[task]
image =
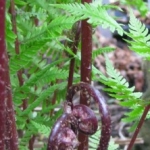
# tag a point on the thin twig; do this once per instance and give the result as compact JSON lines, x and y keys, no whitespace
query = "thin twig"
{"x":72,"y":63}
{"x":147,"y":108}
{"x":31,"y":143}
{"x":53,"y":101}
{"x":74,"y":49}
{"x":14,"y":27}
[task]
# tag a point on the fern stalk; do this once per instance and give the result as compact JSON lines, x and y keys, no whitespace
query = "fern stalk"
{"x":8,"y":133}
{"x":86,"y":66}
{"x":2,"y":83}
{"x":31,"y":143}
{"x":53,"y":101}
{"x":17,"y":50}
{"x":86,"y":52}
{"x":146,"y":110}
{"x":74,"y":49}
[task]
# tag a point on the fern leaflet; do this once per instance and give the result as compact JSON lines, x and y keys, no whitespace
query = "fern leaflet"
{"x":96,"y":14}
{"x":101,"y":50}
{"x":118,"y":88}
{"x":139,"y":34}
{"x":41,"y":128}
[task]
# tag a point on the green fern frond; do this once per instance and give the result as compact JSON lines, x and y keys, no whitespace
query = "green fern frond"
{"x":52,"y":75}
{"x":47,"y":109}
{"x":41,"y":128}
{"x":94,"y":141}
{"x":101,"y":50}
{"x":43,"y":96}
{"x":140,"y":38}
{"x":40,"y":14}
{"x":10,"y":36}
{"x":20,"y":3}
{"x":140,"y":5}
{"x":25,"y":139}
{"x":96,"y":15}
{"x":52,"y":30}
{"x":61,"y":23}
{"x":21,"y":121}
{"x":118,"y":88}
{"x":39,"y":60}
{"x":119,"y":85}
{"x":46,"y":75}
{"x":24,"y":58}
{"x":37,"y":40}
{"x":137,"y":110}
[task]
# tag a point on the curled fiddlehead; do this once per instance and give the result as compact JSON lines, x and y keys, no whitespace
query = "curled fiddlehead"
{"x":62,"y":137}
{"x":86,"y":119}
{"x":90,"y":91}
{"x":80,"y":118}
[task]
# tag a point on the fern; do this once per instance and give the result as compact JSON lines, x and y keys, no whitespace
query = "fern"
{"x":101,"y":50}
{"x":118,"y":88}
{"x":51,"y":30}
{"x":41,"y":128}
{"x":140,"y":5}
{"x":34,"y":42}
{"x":43,"y":60}
{"x":96,"y":14}
{"x":94,"y":142}
{"x":46,"y":75}
{"x":10,"y":36}
{"x":36,"y":39}
{"x":25,"y":139}
{"x":42,"y":97}
{"x":139,"y":34}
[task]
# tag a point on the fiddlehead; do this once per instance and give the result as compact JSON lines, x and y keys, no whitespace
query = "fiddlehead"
{"x":62,"y":137}
{"x":80,"y":118}
{"x":90,"y":91}
{"x":87,"y":121}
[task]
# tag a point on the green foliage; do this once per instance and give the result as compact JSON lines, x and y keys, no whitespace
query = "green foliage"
{"x":41,"y":63}
{"x":101,"y":51}
{"x":10,"y":36}
{"x":95,"y":13}
{"x":140,"y":38}
{"x":44,"y":59}
{"x":41,"y":98}
{"x":140,"y":5}
{"x":41,"y":128}
{"x":93,"y":142}
{"x":118,"y":87}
